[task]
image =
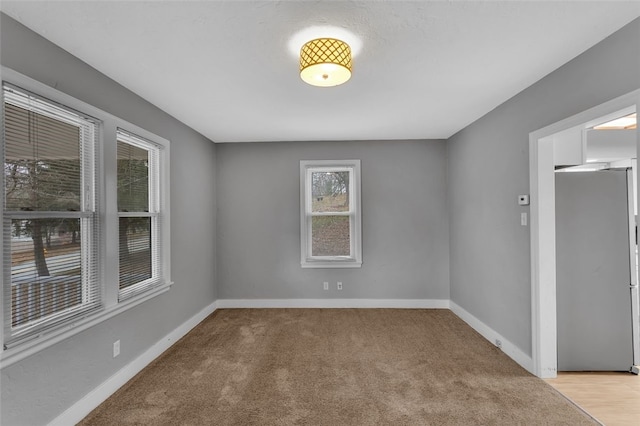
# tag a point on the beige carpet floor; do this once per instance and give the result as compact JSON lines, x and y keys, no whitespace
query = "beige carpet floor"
{"x":335,"y":367}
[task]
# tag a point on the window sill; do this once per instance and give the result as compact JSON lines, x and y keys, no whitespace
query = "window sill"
{"x":331,"y":264}
{"x":28,"y":348}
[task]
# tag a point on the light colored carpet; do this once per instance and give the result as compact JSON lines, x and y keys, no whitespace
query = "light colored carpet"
{"x":335,"y":367}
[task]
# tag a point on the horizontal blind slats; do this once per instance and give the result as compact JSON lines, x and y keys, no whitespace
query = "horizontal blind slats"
{"x":138,"y":194}
{"x":42,"y":162}
{"x":49,"y":236}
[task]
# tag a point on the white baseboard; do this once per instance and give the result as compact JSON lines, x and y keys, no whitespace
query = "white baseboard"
{"x":514,"y":352}
{"x":82,"y":408}
{"x":334,"y":303}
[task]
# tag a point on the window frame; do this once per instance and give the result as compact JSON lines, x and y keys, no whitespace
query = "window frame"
{"x":154,"y":210}
{"x":307,"y":259}
{"x":88,"y":216}
{"x":107,"y":212}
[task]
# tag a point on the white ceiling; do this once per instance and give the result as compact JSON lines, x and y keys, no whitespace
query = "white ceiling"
{"x":425,"y":69}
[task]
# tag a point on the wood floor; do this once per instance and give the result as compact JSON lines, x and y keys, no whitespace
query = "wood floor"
{"x":612,"y":398}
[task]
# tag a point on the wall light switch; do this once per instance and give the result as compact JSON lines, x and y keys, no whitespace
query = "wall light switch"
{"x":523,"y":219}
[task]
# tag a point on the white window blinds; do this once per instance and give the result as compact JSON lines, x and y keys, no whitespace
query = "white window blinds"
{"x":139,"y":214}
{"x":50,"y":220}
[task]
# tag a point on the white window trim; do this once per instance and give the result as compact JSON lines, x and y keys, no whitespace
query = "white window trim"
{"x":355,"y":214}
{"x":108,"y":233}
{"x":88,"y":215}
{"x":156,"y":206}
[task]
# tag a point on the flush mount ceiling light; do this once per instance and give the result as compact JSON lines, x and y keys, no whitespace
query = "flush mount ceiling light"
{"x":325,"y":62}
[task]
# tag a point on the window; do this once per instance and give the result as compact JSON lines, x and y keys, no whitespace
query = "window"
{"x":50,"y":219}
{"x":138,"y":214}
{"x":330,"y":214}
{"x":84,"y":214}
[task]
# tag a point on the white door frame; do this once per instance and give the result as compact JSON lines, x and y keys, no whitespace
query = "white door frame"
{"x":543,"y":229}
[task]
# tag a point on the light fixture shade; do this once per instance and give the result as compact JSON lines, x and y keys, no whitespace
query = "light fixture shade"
{"x":325,"y":62}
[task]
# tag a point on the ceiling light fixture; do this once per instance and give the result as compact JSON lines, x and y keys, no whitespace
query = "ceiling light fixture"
{"x":325,"y":62}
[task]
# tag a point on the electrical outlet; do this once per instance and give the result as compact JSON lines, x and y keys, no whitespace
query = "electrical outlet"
{"x":499,"y":343}
{"x":339,"y":285}
{"x":326,"y":285}
{"x":116,"y":348}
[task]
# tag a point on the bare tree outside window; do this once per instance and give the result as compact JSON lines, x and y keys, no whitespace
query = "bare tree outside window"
{"x":330,"y":234}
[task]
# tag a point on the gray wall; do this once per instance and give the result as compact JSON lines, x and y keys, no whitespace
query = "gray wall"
{"x":404,"y":221}
{"x":37,"y":389}
{"x":488,"y":166}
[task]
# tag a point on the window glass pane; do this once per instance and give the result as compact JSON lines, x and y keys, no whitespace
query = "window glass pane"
{"x":330,"y":236}
{"x":330,"y":191}
{"x":45,"y":268}
{"x":133,"y":178}
{"x":135,"y":250}
{"x":42,"y":162}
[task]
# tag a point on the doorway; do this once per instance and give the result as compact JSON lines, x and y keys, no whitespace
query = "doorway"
{"x":545,"y":148}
